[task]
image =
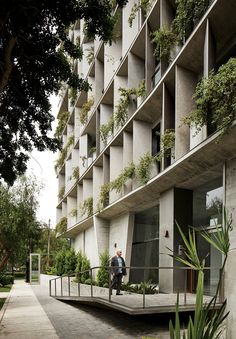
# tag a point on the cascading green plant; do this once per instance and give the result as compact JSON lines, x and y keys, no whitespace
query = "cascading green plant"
{"x":145,"y":5}
{"x":167,"y":144}
{"x":215,"y":100}
{"x":143,"y":169}
{"x":62,"y":120}
{"x":87,"y":207}
{"x":90,"y":55}
{"x":76,"y":173}
{"x":127,"y":173}
{"x":61,"y":192}
{"x":60,"y":161}
{"x":188,"y":12}
{"x":61,"y":226}
{"x":83,"y":114}
{"x":163,"y":39}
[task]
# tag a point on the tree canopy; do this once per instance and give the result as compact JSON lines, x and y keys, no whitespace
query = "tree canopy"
{"x":19,"y":228}
{"x":32,"y":67}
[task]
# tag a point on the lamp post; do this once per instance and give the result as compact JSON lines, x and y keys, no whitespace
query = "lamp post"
{"x":49,"y":221}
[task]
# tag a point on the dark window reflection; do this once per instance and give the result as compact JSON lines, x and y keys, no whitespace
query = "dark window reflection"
{"x":145,"y":248}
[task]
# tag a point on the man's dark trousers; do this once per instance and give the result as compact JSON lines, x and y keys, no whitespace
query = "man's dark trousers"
{"x":116,"y":282}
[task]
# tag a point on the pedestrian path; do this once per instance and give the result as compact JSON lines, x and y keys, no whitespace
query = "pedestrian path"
{"x":22,"y":316}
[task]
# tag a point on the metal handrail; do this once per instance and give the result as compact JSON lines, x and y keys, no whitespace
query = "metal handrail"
{"x":111,"y":268}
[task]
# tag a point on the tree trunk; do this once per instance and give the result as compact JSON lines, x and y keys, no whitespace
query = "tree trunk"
{"x":7,"y":64}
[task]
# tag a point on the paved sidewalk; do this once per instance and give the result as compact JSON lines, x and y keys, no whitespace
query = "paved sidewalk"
{"x":23,"y":317}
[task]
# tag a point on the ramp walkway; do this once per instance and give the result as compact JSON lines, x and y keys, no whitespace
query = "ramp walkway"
{"x":69,"y":288}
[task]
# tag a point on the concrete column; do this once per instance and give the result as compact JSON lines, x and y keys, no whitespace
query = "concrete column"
{"x":77,"y":124}
{"x":79,"y":201}
{"x":119,"y":81}
{"x":230,"y":275}
{"x":97,"y":183}
{"x":116,"y":162}
{"x":150,"y":60}
{"x":168,"y":116}
{"x":71,"y":205}
{"x":166,"y":225}
{"x":83,"y":163}
{"x":99,"y":78}
{"x":101,"y":229}
{"x":186,"y":82}
{"x":128,"y":32}
{"x":112,"y":55}
{"x":127,"y":157}
{"x":141,"y":145}
{"x":89,"y":242}
{"x":106,"y":112}
{"x":175,"y":206}
{"x":78,"y":242}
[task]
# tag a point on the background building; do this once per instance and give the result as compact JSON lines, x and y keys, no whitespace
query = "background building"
{"x":130,"y":167}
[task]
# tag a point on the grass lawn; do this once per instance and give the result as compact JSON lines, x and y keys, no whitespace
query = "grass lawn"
{"x":6,"y":288}
{"x":2,"y":300}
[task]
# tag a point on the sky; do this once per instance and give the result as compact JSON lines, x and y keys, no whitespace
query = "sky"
{"x":41,"y":164}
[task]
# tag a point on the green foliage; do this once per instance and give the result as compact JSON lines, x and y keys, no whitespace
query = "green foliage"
{"x":167,"y":144}
{"x":104,"y":196}
{"x":19,"y":228}
{"x":90,"y":55}
{"x":208,"y":320}
{"x":76,"y":173}
{"x":103,"y":272}
{"x":51,"y":270}
{"x":141,"y":90}
{"x":121,"y":112}
{"x":187,"y":13}
{"x":60,"y":262}
{"x":6,"y":279}
{"x":70,"y":261}
{"x":163,"y":39}
{"x":32,"y":32}
{"x":141,"y":4}
{"x":144,"y":285}
{"x":87,"y":207}
{"x":143,"y":169}
{"x":61,"y":226}
{"x":62,"y":120}
{"x":215,"y":100}
{"x":72,"y":95}
{"x":73,"y":212}
{"x":107,"y":129}
{"x":60,"y":161}
{"x":83,"y":114}
{"x":127,"y":173}
{"x":83,"y":264}
{"x":92,"y":150}
{"x":61,"y":192}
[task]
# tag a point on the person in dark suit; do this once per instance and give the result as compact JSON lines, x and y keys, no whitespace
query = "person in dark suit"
{"x":118,"y":270}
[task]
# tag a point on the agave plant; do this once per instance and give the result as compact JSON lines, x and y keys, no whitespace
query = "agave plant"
{"x":208,"y":320}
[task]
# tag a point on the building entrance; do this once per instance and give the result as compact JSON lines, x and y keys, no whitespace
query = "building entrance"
{"x":145,"y":246}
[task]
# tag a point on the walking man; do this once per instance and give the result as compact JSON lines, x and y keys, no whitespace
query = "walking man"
{"x":118,"y":270}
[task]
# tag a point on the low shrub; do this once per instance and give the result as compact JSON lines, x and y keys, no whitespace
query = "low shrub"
{"x":6,"y":279}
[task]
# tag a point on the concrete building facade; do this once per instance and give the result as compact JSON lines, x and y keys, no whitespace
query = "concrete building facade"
{"x":186,"y":185}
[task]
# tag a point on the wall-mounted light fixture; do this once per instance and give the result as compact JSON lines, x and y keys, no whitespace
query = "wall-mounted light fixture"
{"x":115,"y":244}
{"x":167,"y":234}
